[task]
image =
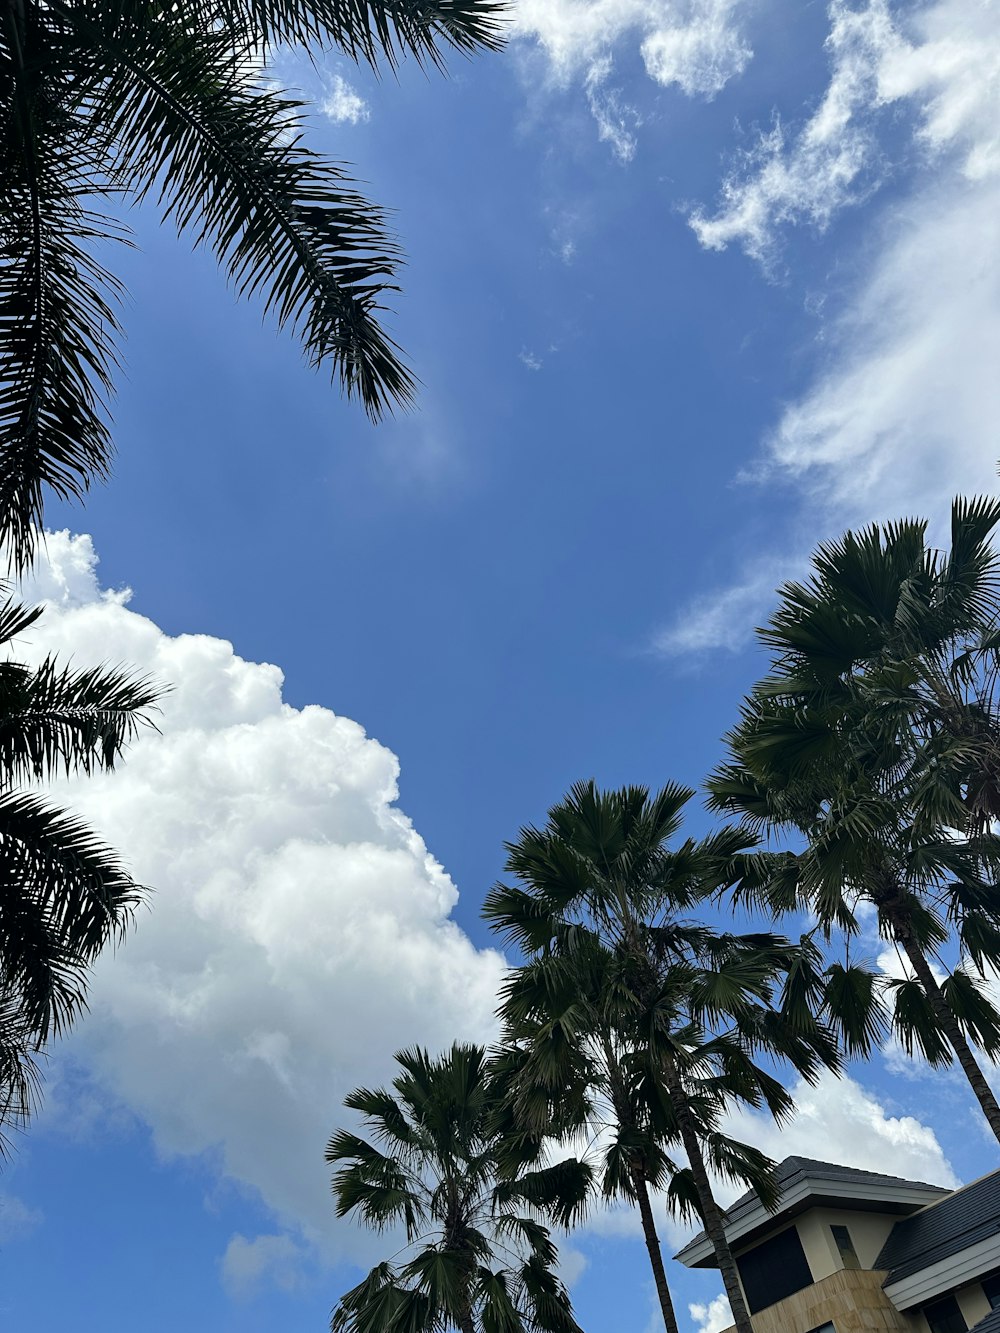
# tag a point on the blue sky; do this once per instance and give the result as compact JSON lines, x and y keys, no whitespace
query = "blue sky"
{"x":690,"y":286}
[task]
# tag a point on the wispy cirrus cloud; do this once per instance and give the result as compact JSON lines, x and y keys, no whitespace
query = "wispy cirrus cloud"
{"x":695,"y":46}
{"x":831,"y":162}
{"x":901,"y":411}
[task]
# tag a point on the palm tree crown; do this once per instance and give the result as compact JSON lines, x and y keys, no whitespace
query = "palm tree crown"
{"x":65,"y":895}
{"x":631,"y":1017}
{"x":136,"y":99}
{"x":479,"y":1256}
{"x":875,"y":744}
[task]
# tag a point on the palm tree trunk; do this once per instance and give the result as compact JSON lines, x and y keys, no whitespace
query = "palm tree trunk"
{"x":949,"y":1025}
{"x":711,"y":1213}
{"x":653,"y":1246}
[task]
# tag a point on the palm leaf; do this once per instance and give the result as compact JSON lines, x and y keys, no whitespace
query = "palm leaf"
{"x":66,"y":895}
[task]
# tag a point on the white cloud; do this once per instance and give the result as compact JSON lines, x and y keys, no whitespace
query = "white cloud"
{"x":952,"y":69}
{"x":613,"y":116}
{"x":903,"y":414}
{"x":342,"y":104}
{"x":299,"y":932}
{"x":249,"y":1265}
{"x":573,"y":1264}
{"x":945,"y":64}
{"x":724,"y":619}
{"x":840,"y":1121}
{"x":900,"y":414}
{"x":696,"y":46}
{"x":827,"y":165}
{"x":713,"y":1317}
{"x":17,"y":1219}
{"x":700,"y":50}
{"x":529,"y":359}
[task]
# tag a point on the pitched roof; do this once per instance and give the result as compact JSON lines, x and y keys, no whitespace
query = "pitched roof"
{"x":805,"y":1179}
{"x":943,"y":1229}
{"x":991,"y":1324}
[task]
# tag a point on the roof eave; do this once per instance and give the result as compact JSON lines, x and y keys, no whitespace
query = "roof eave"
{"x":806,"y":1193}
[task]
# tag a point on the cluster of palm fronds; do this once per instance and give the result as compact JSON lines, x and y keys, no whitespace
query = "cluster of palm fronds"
{"x":65,"y":894}
{"x":120,"y":101}
{"x":632,"y":1029}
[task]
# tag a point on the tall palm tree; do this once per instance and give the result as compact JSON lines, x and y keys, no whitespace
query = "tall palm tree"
{"x":478,"y":1257}
{"x":874,"y":743}
{"x":623,"y":1000}
{"x":63,"y":894}
{"x":127,"y":100}
{"x":571,"y":1075}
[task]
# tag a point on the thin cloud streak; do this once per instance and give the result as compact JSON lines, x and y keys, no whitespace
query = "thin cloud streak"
{"x":901,"y":413}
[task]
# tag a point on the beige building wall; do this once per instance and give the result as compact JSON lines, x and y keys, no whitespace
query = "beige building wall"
{"x":869,"y":1232}
{"x":853,"y":1297}
{"x":973,"y":1303}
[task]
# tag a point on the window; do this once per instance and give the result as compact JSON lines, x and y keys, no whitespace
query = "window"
{"x":825,"y":1328}
{"x":774,"y":1270}
{"x":944,"y":1316}
{"x":991,"y":1289}
{"x":845,"y":1247}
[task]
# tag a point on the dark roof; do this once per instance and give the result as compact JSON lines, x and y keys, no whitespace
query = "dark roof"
{"x":795,"y":1169}
{"x":991,"y":1324}
{"x":943,"y":1229}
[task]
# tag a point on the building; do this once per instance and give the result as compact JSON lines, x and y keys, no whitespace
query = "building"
{"x":849,"y":1251}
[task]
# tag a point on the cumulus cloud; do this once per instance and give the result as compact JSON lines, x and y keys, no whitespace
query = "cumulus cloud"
{"x":300,"y":930}
{"x":854,"y":1129}
{"x":713,"y":1317}
{"x":900,"y":413}
{"x":342,"y":104}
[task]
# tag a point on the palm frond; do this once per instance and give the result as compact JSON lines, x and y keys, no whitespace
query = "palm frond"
{"x":224,"y":154}
{"x":54,"y":718}
{"x":66,"y":896}
{"x":58,"y":315}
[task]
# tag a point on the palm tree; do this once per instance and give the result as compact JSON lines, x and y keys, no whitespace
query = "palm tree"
{"x":571,"y":1086}
{"x":65,"y":895}
{"x":149,"y":99}
{"x":622,"y":1001}
{"x":479,"y":1257}
{"x":875,"y":744}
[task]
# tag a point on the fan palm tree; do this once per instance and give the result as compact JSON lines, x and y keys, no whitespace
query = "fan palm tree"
{"x":149,"y":99}
{"x":568,"y":1086}
{"x":875,"y":744}
{"x":624,"y":1002}
{"x":64,"y":894}
{"x":479,"y":1257}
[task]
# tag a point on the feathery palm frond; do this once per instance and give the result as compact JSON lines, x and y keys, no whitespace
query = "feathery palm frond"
{"x":65,"y":894}
{"x":126,"y":100}
{"x":875,"y":742}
